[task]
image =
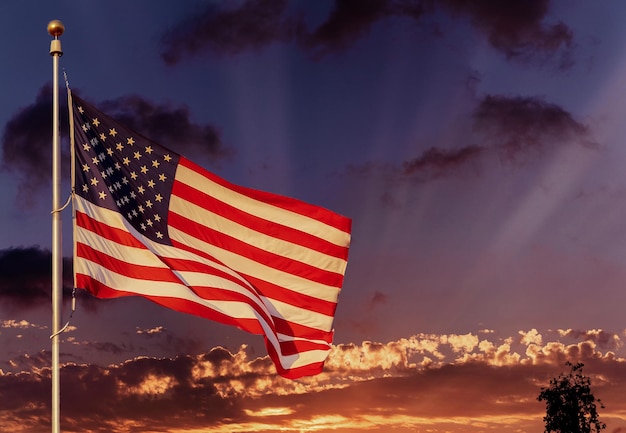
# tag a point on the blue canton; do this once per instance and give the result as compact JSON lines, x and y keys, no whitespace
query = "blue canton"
{"x":121,"y":170}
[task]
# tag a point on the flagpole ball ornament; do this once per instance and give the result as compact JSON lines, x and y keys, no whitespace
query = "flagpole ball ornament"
{"x":56,"y":29}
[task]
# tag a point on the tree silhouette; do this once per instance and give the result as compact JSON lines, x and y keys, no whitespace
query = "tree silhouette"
{"x":570,"y":405}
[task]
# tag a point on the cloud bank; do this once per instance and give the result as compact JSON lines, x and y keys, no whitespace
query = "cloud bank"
{"x":470,"y":382}
{"x":519,"y":29}
{"x":26,"y":149}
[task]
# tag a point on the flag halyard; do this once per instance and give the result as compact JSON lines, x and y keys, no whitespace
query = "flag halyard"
{"x":151,"y":223}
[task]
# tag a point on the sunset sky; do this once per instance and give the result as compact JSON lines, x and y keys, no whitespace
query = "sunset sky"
{"x":477,"y":146}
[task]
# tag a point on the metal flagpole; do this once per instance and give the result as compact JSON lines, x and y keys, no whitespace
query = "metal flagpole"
{"x":55,"y":29}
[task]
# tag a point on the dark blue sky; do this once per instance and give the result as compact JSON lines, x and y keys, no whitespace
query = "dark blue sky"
{"x":477,"y":146}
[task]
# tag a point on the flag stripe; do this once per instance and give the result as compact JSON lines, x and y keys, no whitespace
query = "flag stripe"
{"x":283,"y":210}
{"x":260,"y":271}
{"x":259,"y":226}
{"x":118,"y":234}
{"x":111,"y":226}
{"x":222,"y":240}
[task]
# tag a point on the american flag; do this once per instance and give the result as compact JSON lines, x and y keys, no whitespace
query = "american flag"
{"x":151,"y":223}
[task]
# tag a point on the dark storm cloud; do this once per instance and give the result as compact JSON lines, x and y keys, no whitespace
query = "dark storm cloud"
{"x":516,"y":130}
{"x":26,"y":144}
{"x":108,"y":347}
{"x":220,"y":29}
{"x":169,"y":126}
{"x":164,"y":339}
{"x":25,"y":276}
{"x":438,"y":162}
{"x":517,"y":126}
{"x":348,"y":21}
{"x":26,"y":141}
{"x":26,"y":280}
{"x":516,"y":27}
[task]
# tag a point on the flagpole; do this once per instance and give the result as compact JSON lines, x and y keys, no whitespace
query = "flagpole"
{"x":55,"y":29}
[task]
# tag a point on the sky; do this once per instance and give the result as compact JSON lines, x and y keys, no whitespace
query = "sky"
{"x":476,"y":146}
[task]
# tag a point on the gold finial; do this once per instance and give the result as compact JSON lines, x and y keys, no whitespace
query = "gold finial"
{"x":56,"y":28}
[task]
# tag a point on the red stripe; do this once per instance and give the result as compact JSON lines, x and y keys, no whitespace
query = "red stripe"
{"x":291,"y":297}
{"x":186,"y":265}
{"x":299,"y":346}
{"x":284,"y":326}
{"x":256,"y":223}
{"x":119,"y":236}
{"x":312,"y":211}
{"x":251,"y":252}
{"x":131,"y":270}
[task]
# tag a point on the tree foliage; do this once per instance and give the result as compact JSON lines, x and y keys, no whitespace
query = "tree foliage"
{"x":570,"y":405}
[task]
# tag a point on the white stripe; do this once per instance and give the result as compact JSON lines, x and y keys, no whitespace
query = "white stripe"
{"x":262,"y":209}
{"x":259,"y":270}
{"x":299,"y":315}
{"x":283,"y":248}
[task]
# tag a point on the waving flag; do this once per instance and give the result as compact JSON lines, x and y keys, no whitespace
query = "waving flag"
{"x":151,"y":223}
